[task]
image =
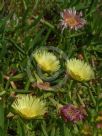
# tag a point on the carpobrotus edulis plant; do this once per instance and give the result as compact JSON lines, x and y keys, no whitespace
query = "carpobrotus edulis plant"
{"x":72,"y":113}
{"x":29,"y":106}
{"x":47,"y":61}
{"x":71,"y":19}
{"x":79,"y":70}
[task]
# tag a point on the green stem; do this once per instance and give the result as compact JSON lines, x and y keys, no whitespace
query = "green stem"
{"x":17,"y":47}
{"x":75,"y":35}
{"x":25,"y":5}
{"x":81,"y":101}
{"x":92,"y":97}
{"x":45,"y":22}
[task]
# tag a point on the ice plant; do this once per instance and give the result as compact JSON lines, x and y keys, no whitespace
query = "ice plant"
{"x":72,"y":113}
{"x":71,"y":19}
{"x":29,"y":106}
{"x":47,"y":61}
{"x":79,"y":70}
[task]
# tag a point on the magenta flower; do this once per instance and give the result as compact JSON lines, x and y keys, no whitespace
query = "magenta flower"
{"x":71,"y":19}
{"x":72,"y":113}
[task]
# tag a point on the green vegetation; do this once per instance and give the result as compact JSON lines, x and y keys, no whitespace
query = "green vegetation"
{"x":27,"y":25}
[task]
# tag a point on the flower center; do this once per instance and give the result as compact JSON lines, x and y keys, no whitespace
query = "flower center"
{"x":76,"y":76}
{"x":71,"y":21}
{"x":28,"y":112}
{"x":45,"y":65}
{"x":70,"y":112}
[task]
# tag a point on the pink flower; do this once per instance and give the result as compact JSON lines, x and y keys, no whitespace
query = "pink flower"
{"x":99,"y":125}
{"x":71,"y":19}
{"x":72,"y":113}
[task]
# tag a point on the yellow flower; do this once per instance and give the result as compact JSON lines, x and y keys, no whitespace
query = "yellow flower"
{"x":79,"y":70}
{"x":47,"y":61}
{"x":29,"y":106}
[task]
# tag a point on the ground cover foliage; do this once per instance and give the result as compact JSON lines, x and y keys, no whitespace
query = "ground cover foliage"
{"x":28,"y":25}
